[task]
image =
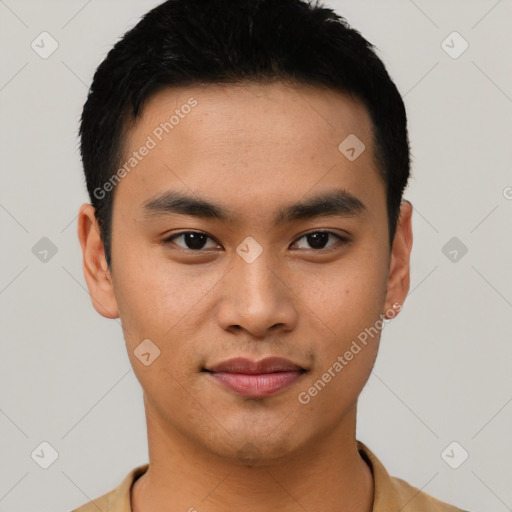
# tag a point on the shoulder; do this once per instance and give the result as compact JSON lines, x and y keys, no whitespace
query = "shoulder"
{"x":415,"y":499}
{"x":394,"y":494}
{"x":100,"y":503}
{"x":117,"y":500}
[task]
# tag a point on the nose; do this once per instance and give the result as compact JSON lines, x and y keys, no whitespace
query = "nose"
{"x":257,"y":298}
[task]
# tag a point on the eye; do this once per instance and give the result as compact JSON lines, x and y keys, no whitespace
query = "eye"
{"x":319,"y":240}
{"x":192,"y":240}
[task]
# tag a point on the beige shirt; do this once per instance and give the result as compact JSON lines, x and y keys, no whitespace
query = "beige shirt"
{"x":391,"y":494}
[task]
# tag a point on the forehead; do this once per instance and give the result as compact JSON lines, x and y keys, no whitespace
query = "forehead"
{"x":252,"y":143}
{"x":264,"y":110}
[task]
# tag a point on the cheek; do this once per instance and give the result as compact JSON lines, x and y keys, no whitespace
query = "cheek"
{"x":158,"y":305}
{"x":154,"y":295}
{"x":346,"y":303}
{"x":347,"y":296}
{"x":165,"y":304}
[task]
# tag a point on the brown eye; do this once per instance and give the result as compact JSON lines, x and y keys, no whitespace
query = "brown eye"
{"x":192,"y":240}
{"x":320,"y":240}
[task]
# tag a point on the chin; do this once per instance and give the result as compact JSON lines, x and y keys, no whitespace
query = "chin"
{"x":256,"y":447}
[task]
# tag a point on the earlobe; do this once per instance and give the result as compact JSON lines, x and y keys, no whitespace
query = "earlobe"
{"x":399,"y":266}
{"x":95,"y":268}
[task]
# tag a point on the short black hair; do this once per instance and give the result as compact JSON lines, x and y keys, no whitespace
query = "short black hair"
{"x":197,"y":42}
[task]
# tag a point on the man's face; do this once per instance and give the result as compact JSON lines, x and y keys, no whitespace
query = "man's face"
{"x":303,"y":288}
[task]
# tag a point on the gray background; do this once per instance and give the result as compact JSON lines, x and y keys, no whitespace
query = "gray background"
{"x":443,"y":372}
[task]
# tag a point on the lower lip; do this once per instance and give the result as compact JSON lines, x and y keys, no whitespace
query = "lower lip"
{"x":256,"y":386}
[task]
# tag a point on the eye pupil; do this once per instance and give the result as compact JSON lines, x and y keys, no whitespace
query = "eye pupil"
{"x":195,"y":240}
{"x":318,"y":240}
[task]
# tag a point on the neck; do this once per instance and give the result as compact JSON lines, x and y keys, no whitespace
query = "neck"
{"x":327,"y":475}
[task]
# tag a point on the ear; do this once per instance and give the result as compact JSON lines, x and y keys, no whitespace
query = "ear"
{"x":399,"y":264}
{"x":96,"y":272}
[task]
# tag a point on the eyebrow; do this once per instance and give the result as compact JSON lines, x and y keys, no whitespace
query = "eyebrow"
{"x":334,"y":203}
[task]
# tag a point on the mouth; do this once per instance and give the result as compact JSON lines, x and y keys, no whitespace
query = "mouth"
{"x":256,"y":379}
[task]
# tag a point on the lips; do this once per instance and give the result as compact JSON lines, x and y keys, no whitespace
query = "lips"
{"x":246,"y":366}
{"x":256,"y":379}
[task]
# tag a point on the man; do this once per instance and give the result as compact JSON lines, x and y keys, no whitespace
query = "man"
{"x":246,"y":162}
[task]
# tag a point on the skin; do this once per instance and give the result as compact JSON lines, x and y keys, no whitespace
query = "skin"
{"x":252,"y":149}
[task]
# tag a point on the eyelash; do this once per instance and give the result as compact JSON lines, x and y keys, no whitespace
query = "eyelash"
{"x":341,"y":239}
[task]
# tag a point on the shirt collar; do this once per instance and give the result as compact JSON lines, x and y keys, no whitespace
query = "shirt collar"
{"x":120,"y":499}
{"x":384,"y":499}
{"x":384,"y":496}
